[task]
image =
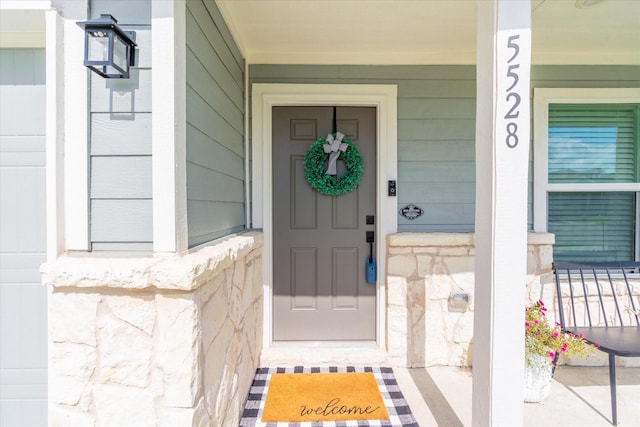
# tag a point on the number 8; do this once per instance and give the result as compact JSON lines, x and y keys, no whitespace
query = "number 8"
{"x":512,"y":138}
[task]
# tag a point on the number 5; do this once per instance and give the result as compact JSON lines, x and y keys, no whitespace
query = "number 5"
{"x":510,"y":73}
{"x":513,"y":45}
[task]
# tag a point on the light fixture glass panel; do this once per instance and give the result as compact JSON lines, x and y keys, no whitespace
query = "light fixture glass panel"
{"x":119,"y":53}
{"x":111,"y":71}
{"x":98,"y":46}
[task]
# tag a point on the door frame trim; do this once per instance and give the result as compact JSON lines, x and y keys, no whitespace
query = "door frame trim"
{"x":267,"y":95}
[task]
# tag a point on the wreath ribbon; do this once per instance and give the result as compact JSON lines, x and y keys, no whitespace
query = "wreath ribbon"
{"x":334,"y":146}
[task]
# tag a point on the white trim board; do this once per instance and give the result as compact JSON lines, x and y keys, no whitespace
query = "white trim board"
{"x":264,"y":97}
{"x":76,"y":130}
{"x":25,"y":5}
{"x":169,"y":127}
{"x":55,"y":101}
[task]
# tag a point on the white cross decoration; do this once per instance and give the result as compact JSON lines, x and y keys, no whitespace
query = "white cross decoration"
{"x":335,"y":146}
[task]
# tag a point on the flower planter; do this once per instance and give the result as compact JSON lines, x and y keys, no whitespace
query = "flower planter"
{"x":537,"y":378}
{"x":542,"y":343}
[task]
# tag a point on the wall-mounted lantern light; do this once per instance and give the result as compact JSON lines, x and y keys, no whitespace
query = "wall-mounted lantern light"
{"x":108,"y":50}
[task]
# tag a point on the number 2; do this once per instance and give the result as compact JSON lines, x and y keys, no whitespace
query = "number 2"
{"x":512,"y":114}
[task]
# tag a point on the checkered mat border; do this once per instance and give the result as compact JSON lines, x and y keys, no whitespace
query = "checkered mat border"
{"x":399,"y":411}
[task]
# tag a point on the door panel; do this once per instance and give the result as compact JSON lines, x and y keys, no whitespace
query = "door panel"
{"x":304,"y":283}
{"x":345,"y":278}
{"x":319,"y":290}
{"x":303,"y":201}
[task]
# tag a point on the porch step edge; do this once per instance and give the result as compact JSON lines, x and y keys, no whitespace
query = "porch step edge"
{"x":286,"y":356}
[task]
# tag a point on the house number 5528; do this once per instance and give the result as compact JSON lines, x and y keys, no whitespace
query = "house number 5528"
{"x":513,"y":97}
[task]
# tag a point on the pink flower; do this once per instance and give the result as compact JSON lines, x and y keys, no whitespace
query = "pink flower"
{"x":558,"y":324}
{"x":555,"y":334}
{"x":551,"y":354}
{"x":536,"y":321}
{"x":597,"y":344}
{"x":563,"y":348}
{"x":540,"y":302}
{"x":527,"y":324}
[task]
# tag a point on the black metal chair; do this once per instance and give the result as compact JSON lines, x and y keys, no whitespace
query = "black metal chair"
{"x":597,"y":301}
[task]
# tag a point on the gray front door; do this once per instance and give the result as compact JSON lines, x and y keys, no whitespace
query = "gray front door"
{"x":319,"y":241}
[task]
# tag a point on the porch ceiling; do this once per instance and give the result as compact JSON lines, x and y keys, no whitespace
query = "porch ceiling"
{"x":424,"y":31}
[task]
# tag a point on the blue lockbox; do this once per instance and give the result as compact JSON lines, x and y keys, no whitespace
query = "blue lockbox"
{"x":371,"y":270}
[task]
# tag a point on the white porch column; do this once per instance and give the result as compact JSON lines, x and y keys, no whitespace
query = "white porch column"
{"x":55,"y":133}
{"x":168,"y":133}
{"x":502,"y":148}
{"x":76,"y":114}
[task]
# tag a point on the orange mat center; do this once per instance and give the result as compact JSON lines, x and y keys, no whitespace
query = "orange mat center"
{"x":340,"y":396}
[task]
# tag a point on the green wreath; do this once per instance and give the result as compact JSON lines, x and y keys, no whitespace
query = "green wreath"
{"x":315,"y":173}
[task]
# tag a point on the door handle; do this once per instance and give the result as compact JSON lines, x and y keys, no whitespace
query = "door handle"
{"x":371,"y":268}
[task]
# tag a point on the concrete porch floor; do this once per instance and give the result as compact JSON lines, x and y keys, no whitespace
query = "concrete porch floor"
{"x":441,"y":396}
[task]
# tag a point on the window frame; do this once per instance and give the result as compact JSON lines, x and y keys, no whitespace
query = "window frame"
{"x":542,"y":98}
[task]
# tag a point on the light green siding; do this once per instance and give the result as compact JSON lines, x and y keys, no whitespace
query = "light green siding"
{"x":120,"y":150}
{"x":436,"y":127}
{"x":215,"y":126}
{"x":121,"y":214}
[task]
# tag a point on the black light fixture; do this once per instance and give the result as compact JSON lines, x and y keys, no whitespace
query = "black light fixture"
{"x":108,"y":50}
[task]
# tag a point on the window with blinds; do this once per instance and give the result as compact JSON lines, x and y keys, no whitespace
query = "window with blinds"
{"x":593,"y":144}
{"x":598,"y":226}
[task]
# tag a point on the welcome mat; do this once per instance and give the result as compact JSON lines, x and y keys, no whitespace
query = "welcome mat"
{"x":324,"y":396}
{"x":339,"y":396}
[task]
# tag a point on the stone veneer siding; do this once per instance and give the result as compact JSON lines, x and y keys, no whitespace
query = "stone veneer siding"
{"x":422,"y":271}
{"x":169,"y":341}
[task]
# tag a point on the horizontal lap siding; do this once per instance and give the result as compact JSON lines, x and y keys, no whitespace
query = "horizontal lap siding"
{"x":120,"y":155}
{"x":215,"y":126}
{"x":436,"y":127}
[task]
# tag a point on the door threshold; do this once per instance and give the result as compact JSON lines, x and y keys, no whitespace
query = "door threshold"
{"x":324,"y":344}
{"x":324,"y":353}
